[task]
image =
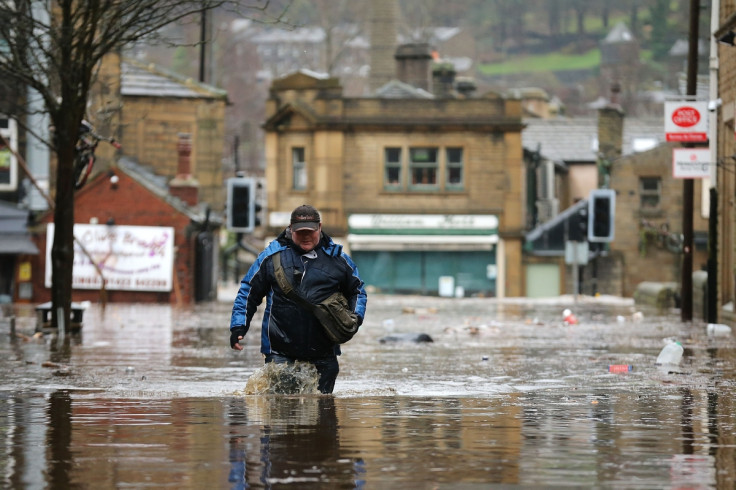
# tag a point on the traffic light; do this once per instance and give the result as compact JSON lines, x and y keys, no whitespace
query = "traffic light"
{"x":578,"y":226}
{"x":241,"y":204}
{"x":601,"y":215}
{"x":257,"y":210}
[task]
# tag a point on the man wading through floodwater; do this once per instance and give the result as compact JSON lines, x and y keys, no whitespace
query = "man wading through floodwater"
{"x":315,"y":267}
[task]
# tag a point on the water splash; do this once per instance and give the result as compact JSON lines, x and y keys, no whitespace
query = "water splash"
{"x":299,"y":378}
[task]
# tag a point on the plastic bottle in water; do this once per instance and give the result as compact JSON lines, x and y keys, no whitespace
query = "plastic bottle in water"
{"x":718,"y":329}
{"x":670,"y":354}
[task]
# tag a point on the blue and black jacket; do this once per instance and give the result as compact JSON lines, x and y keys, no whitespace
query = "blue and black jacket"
{"x":288,"y":328}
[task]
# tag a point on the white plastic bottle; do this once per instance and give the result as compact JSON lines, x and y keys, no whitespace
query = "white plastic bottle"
{"x":670,"y":354}
{"x":718,"y":329}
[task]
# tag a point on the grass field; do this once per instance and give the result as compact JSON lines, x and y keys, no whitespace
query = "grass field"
{"x":544,"y":63}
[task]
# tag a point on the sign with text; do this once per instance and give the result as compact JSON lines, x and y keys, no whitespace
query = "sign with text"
{"x":132,"y":258}
{"x":686,"y":121}
{"x":691,"y":163}
{"x":423,"y":223}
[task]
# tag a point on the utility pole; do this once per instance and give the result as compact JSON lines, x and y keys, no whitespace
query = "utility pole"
{"x":686,"y":306}
{"x":203,"y":47}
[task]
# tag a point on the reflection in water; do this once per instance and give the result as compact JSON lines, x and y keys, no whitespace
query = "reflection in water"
{"x":298,"y":442}
{"x":67,"y":440}
{"x":59,"y":439}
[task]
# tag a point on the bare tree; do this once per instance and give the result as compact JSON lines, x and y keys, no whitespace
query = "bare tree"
{"x":55,"y":48}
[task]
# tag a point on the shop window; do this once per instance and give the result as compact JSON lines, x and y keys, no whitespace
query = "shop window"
{"x":299,"y":167}
{"x":650,"y":193}
{"x":454,"y":168}
{"x":392,"y":166}
{"x":423,"y":167}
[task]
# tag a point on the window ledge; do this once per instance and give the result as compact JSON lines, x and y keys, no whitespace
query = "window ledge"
{"x":651,"y":213}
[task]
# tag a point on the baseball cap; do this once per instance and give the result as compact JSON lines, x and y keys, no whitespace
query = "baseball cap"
{"x":305,"y":216}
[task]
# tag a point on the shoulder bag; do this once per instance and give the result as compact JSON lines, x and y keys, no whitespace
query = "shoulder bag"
{"x":333,"y":313}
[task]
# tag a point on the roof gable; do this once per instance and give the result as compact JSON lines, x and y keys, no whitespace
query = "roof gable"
{"x":305,"y":79}
{"x":294,"y":114}
{"x":145,"y":181}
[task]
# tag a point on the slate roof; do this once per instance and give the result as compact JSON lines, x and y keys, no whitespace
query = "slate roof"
{"x":148,"y":80}
{"x":158,"y":185}
{"x":575,"y":140}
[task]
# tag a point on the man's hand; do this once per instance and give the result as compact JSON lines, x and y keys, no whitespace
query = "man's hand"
{"x":237,"y":334}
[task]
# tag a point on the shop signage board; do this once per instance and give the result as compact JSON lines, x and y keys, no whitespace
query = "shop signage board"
{"x":691,"y":163}
{"x":132,"y":258}
{"x":686,"y":121}
{"x":423,"y":223}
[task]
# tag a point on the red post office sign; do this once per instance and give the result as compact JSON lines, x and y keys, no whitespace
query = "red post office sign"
{"x":686,"y":121}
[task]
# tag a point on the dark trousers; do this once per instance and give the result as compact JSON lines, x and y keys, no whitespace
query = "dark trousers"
{"x":328,"y":368}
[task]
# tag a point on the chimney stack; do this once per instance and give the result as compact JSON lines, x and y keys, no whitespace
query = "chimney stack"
{"x":610,"y":131}
{"x":413,"y":63}
{"x":443,"y":80}
{"x":184,"y":186}
{"x":383,"y":29}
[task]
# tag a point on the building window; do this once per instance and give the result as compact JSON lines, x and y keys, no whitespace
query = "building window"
{"x":392,"y":176}
{"x":299,"y":167}
{"x":423,"y":167}
{"x":650,"y":190}
{"x":454,"y":168}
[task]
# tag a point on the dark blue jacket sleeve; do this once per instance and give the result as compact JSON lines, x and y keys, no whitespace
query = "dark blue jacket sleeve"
{"x":355,"y":294}
{"x":253,"y":287}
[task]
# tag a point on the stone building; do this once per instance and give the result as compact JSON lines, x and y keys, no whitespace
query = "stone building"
{"x":423,"y":188}
{"x":649,"y":213}
{"x":724,"y":183}
{"x":157,"y":107}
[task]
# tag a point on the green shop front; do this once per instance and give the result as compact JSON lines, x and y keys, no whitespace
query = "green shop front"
{"x":440,"y":254}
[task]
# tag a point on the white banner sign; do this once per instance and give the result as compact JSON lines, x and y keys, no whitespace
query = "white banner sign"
{"x":686,"y":121}
{"x":132,"y":258}
{"x":691,"y":163}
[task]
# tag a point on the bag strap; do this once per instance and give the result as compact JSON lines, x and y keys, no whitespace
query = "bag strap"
{"x":285,"y":285}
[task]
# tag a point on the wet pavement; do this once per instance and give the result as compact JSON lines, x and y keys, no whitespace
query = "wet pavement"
{"x":506,"y":394}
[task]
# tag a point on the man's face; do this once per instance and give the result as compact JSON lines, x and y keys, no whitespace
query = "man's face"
{"x":306,"y":239}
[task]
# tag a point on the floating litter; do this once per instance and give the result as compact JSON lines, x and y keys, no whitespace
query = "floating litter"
{"x":620,"y":368}
{"x":299,"y":378}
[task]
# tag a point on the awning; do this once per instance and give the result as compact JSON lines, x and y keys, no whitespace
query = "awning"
{"x":17,"y":244}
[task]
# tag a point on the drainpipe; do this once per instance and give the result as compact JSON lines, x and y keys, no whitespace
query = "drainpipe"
{"x":709,"y":200}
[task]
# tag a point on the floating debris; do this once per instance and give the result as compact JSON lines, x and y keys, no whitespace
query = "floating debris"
{"x":419,"y":311}
{"x":568,"y":317}
{"x":620,"y":368}
{"x":718,"y":330}
{"x":406,"y":337}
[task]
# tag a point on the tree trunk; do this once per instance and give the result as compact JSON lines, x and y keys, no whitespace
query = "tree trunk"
{"x":62,"y":250}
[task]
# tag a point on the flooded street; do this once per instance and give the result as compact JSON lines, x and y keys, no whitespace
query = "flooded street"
{"x":506,"y":394}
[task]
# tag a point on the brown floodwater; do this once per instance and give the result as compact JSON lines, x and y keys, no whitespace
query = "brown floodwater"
{"x":506,"y":395}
